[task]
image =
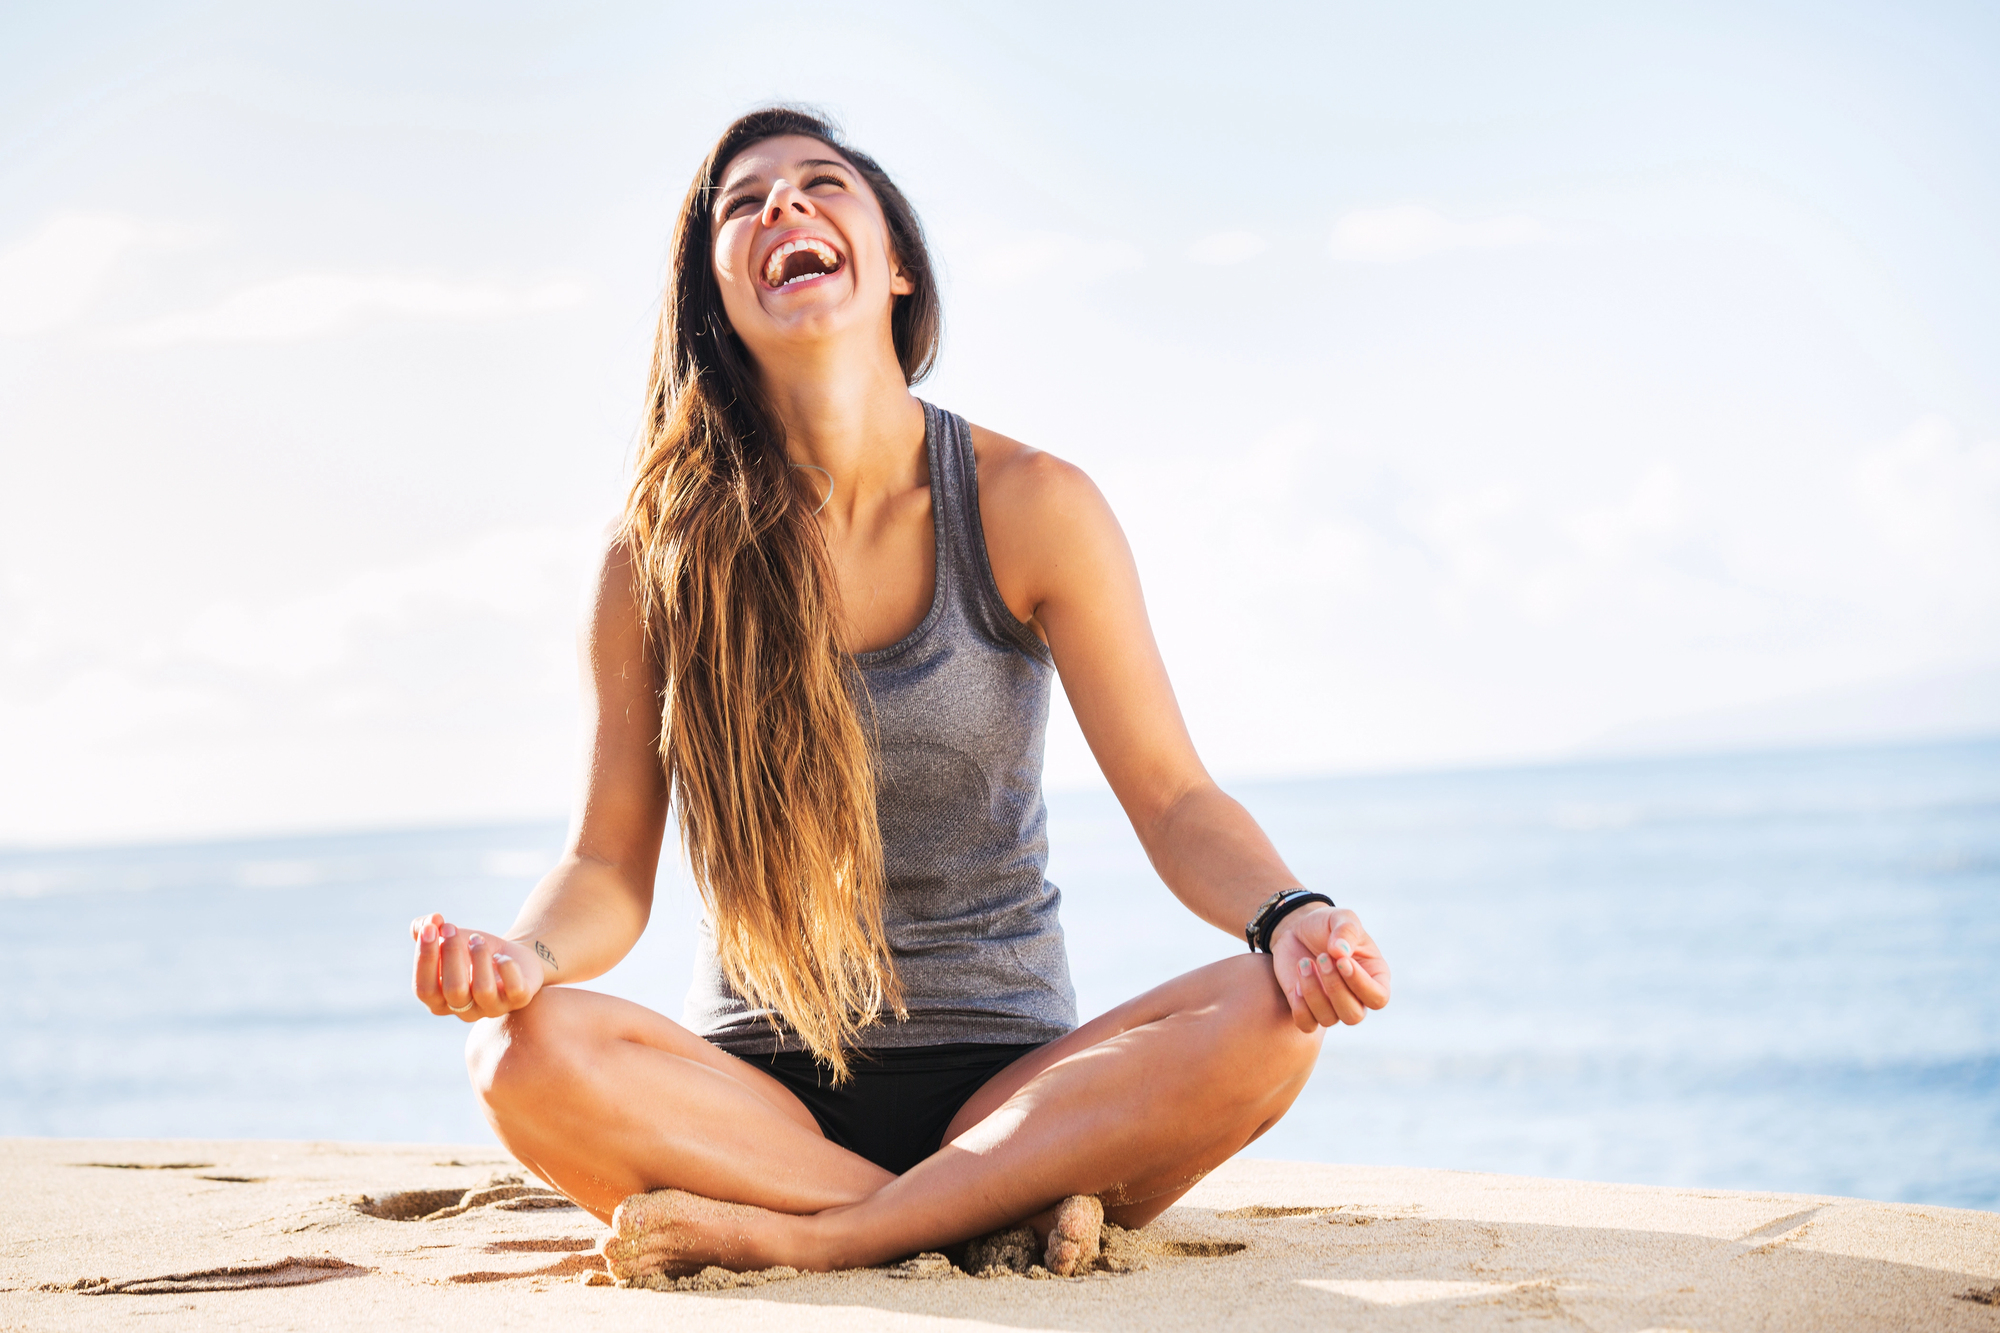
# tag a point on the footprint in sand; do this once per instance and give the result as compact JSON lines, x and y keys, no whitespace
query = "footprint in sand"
{"x":507,"y":1193}
{"x":556,"y":1245}
{"x":287,"y":1272}
{"x":574,"y":1262}
{"x":1200,"y":1249}
{"x":173,"y":1166}
{"x":1336,"y":1213}
{"x":570,"y":1265}
{"x":1262,"y":1210}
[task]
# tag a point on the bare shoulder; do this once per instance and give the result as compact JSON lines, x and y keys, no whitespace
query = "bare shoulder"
{"x":1044,"y":517}
{"x":1019,"y":484}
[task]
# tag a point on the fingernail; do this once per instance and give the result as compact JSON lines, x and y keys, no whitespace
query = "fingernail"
{"x":430,"y":935}
{"x":1343,"y":946}
{"x":500,"y":958}
{"x":474,"y":942}
{"x":1325,"y":964}
{"x":1305,"y":967}
{"x":1346,"y":967}
{"x":447,"y":930}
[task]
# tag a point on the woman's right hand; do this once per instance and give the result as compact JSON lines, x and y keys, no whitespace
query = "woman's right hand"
{"x":471,"y":975}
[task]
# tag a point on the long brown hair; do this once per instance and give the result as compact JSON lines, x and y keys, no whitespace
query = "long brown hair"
{"x":769,"y":764}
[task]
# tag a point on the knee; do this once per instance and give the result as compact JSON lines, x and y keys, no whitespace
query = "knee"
{"x":1261,"y":1019}
{"x":525,"y":1048}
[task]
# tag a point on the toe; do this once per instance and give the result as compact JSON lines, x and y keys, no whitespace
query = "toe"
{"x":1072,"y":1245}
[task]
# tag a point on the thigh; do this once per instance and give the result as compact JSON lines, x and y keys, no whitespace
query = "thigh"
{"x":584,"y":1017}
{"x":604,"y":1099}
{"x":1233,"y":984}
{"x":1153,"y":1094}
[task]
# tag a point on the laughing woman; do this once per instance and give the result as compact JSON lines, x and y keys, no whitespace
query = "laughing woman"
{"x":824,"y":638}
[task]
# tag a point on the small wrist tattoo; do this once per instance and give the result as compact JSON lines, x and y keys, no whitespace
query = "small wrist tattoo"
{"x":548,"y":956}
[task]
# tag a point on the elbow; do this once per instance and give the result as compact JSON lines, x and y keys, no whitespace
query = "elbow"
{"x":1156,"y":818}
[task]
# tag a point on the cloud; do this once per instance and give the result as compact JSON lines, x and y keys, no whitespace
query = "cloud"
{"x":50,"y":278}
{"x":1549,"y":559}
{"x":110,"y":702}
{"x":1227,"y":247}
{"x":1934,"y":499}
{"x":1653,"y":510}
{"x":1013,"y":262}
{"x":308,"y":305}
{"x":1464,"y":532}
{"x":1411,"y":231}
{"x":519,"y":574}
{"x":441,"y":687}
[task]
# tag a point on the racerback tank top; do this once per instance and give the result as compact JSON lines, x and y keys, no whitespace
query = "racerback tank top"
{"x":961,"y":710}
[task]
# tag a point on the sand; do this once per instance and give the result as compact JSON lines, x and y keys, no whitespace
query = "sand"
{"x":102,"y":1234}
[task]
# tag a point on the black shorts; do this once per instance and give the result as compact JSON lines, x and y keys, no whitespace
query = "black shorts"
{"x":895,"y":1107}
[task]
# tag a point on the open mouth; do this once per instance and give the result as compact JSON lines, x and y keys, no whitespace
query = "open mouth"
{"x":799,"y":261}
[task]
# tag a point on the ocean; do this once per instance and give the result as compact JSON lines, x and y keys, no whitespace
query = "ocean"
{"x":1772,"y":971}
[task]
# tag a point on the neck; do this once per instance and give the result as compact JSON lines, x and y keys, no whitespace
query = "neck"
{"x":851,"y":415}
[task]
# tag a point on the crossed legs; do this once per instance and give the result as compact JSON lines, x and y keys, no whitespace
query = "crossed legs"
{"x":605,"y":1099}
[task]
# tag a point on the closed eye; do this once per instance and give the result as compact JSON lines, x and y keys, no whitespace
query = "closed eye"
{"x":746,"y":200}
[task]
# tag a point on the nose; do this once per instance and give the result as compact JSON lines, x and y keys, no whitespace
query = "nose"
{"x":785,"y":201}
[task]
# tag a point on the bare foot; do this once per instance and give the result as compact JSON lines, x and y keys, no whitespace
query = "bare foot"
{"x":1072,"y":1244}
{"x":677,"y":1233}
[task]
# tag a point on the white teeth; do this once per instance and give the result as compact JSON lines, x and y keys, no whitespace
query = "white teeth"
{"x":774,"y":267}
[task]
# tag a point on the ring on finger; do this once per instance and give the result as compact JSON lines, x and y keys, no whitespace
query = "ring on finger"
{"x":460,"y":1008}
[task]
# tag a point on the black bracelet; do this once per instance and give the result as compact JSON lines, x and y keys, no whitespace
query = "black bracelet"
{"x":1276,"y":908}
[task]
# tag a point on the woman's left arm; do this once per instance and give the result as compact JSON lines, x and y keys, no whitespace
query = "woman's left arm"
{"x":1063,"y":565}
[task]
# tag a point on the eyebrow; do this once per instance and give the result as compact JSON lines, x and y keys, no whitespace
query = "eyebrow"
{"x":744,"y":182}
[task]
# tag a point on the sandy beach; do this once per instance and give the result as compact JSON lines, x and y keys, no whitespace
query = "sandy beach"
{"x":277,"y":1235}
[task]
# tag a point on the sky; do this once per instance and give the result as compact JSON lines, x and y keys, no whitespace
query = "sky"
{"x":1475,"y":383}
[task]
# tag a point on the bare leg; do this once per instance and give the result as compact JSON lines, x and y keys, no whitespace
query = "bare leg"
{"x":604,"y":1099}
{"x":1133,"y":1107}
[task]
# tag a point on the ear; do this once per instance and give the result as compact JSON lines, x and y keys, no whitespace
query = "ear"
{"x":899,"y":281}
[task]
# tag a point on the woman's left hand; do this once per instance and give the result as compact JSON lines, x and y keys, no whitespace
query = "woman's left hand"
{"x":1328,"y":967}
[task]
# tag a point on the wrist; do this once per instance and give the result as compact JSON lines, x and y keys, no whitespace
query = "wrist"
{"x":533,"y":960}
{"x":1296,"y":922}
{"x":1262,"y":928}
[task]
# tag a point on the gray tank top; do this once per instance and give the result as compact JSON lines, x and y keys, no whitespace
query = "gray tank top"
{"x":961,"y":709}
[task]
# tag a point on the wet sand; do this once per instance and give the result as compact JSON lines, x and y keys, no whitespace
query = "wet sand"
{"x":161,"y":1235}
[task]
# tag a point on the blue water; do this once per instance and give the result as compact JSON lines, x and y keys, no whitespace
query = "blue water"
{"x":1749,"y":972}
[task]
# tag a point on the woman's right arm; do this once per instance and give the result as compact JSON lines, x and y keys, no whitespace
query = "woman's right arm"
{"x":589,"y":911}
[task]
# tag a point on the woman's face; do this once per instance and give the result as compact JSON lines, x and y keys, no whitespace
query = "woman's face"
{"x":802,"y":250}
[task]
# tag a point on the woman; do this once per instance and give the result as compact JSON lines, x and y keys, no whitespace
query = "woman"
{"x":824,"y":637}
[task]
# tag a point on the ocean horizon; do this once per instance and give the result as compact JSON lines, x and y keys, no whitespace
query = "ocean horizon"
{"x":1738,"y":971}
